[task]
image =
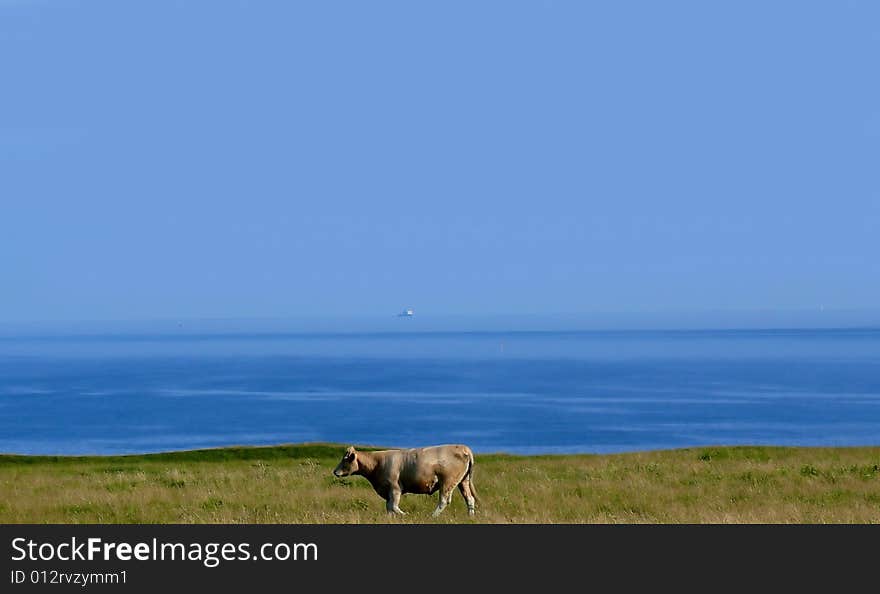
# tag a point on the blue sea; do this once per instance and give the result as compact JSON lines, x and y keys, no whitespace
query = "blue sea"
{"x":521,"y":392}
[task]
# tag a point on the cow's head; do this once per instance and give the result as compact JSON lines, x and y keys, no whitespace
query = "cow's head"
{"x":348,"y":465}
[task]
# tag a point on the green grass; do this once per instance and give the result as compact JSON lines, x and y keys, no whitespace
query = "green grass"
{"x":293,"y":484}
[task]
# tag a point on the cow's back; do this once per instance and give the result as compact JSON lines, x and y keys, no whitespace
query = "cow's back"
{"x":443,"y":454}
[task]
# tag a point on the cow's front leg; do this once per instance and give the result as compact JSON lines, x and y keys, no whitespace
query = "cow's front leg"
{"x":392,"y":505}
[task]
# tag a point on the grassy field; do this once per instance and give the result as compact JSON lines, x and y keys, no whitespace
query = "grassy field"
{"x":293,"y":484}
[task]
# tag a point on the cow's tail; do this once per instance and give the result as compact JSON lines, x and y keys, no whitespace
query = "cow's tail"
{"x":470,"y":476}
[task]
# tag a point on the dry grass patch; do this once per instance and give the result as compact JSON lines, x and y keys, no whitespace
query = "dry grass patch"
{"x":293,"y":484}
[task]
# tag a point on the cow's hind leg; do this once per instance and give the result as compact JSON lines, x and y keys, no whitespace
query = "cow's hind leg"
{"x":465,"y":487}
{"x":445,"y":498}
{"x":392,"y":505}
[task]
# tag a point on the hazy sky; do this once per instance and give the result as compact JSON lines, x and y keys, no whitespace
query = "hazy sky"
{"x":212,"y":159}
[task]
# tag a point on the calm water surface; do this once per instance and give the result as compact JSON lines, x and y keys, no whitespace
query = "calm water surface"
{"x":524,"y":392}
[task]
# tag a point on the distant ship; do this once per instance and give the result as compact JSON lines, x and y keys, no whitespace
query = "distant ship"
{"x":407,"y":313}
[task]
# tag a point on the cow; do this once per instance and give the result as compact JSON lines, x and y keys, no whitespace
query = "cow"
{"x":420,"y":470}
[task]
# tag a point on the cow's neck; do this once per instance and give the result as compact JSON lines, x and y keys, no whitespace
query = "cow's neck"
{"x":366,"y":465}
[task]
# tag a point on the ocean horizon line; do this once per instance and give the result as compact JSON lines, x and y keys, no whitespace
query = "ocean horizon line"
{"x":435,"y":333}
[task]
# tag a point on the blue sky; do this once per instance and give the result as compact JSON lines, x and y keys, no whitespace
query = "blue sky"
{"x":274,"y":159}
